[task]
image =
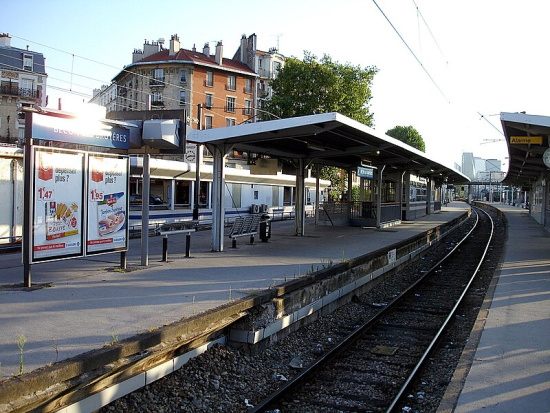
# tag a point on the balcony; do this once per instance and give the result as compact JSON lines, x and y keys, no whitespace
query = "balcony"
{"x":14,"y":90}
{"x":156,"y":82}
{"x":158,"y":103}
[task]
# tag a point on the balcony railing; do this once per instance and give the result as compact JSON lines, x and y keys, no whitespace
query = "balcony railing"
{"x":14,"y":90}
{"x":156,"y":82}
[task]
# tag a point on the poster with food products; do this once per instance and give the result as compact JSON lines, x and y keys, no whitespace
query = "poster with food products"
{"x":57,"y":201}
{"x":107,"y":203}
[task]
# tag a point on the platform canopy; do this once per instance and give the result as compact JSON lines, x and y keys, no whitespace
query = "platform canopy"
{"x":327,"y":139}
{"x":527,"y":137}
{"x":323,"y":139}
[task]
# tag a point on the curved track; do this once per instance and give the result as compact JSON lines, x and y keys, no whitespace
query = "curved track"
{"x":371,"y":369}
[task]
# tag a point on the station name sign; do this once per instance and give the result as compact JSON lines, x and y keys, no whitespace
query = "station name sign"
{"x":524,"y":140}
{"x":363,"y":172}
{"x":79,"y":131}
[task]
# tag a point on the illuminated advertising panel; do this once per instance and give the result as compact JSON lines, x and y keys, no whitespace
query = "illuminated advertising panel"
{"x":107,"y":203}
{"x":79,"y":131}
{"x":58,"y":182}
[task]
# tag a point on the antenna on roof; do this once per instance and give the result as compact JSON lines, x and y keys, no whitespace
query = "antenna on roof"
{"x":278,"y":36}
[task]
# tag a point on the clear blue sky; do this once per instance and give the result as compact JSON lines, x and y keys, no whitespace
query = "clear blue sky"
{"x":477,"y":56}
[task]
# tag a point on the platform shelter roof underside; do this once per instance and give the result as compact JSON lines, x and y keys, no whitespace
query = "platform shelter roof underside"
{"x":526,"y":155}
{"x":327,"y":139}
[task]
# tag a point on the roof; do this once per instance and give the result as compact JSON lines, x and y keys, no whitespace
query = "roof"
{"x":328,"y":139}
{"x":192,"y":57}
{"x":11,"y":58}
{"x":525,"y":159}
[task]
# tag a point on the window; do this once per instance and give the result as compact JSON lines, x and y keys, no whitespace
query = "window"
{"x":229,"y":122}
{"x":208,"y":101}
{"x":156,"y":99}
{"x":230,"y":105}
{"x":183,"y":76}
{"x":247,"y":107}
{"x":208,"y":122}
{"x":182,"y":97}
{"x":248,"y":86}
{"x":231,"y":82}
{"x":209,"y":79}
{"x":157,"y":77}
{"x":27,"y":62}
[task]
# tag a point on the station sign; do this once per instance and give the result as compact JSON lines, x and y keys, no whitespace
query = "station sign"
{"x":525,"y":140}
{"x":79,"y":131}
{"x":363,"y":172}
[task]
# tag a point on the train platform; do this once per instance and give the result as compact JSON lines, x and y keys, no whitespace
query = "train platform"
{"x":510,"y":370}
{"x":82,"y":304}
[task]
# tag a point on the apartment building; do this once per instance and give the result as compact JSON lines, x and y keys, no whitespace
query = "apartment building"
{"x":22,"y":83}
{"x":174,"y":78}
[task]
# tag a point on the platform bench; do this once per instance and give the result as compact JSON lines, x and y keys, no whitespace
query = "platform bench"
{"x":244,"y":227}
{"x":167,"y":232}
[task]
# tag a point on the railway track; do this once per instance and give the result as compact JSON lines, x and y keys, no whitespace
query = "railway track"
{"x":371,"y":369}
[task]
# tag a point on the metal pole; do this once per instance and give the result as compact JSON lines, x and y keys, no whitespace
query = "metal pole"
{"x":145,"y":211}
{"x":27,"y":207}
{"x":196,"y":192}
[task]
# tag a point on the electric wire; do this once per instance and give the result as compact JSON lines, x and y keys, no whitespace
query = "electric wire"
{"x":123,"y":70}
{"x":411,"y":51}
{"x":429,"y":30}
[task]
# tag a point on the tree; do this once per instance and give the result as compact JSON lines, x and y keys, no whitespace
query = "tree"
{"x":309,"y":87}
{"x":408,"y":135}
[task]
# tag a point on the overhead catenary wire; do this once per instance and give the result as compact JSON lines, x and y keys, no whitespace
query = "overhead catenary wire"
{"x":411,"y":51}
{"x":429,"y":30}
{"x":179,"y":86}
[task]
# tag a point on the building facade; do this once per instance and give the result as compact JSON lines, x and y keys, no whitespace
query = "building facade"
{"x":22,"y":83}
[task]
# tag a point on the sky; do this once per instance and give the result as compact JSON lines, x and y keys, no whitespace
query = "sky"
{"x":446,"y":67}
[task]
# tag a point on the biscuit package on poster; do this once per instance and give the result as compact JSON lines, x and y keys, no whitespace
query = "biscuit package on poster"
{"x":61,"y":219}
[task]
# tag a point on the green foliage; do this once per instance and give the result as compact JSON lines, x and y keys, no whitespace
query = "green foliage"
{"x":408,"y":135}
{"x":314,"y":86}
{"x":311,"y":86}
{"x":21,"y":340}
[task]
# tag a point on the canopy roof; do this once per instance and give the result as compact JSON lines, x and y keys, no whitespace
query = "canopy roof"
{"x":328,"y":139}
{"x":525,"y":160}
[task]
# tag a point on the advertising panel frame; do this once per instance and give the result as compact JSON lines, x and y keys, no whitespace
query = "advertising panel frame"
{"x":58,"y":218}
{"x":107,"y":218}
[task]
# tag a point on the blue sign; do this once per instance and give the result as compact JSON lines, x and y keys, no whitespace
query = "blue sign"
{"x":81,"y":131}
{"x":363,"y":172}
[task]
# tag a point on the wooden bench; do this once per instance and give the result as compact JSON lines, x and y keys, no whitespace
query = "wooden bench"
{"x":244,"y":227}
{"x":173,"y":229}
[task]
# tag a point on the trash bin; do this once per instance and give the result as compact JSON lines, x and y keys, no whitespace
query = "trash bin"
{"x":265,"y":228}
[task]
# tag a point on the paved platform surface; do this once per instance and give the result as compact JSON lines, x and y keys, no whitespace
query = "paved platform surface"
{"x":511,"y":367}
{"x":90,"y":303}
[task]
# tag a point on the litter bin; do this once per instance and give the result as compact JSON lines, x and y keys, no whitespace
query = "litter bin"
{"x":265,"y":228}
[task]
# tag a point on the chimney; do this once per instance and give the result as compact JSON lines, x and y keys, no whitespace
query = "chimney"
{"x":243,"y":48}
{"x":206,"y":49}
{"x":5,"y":40}
{"x":151,"y":48}
{"x":137,"y":55}
{"x":219,"y":53}
{"x":194,"y":49}
{"x":174,"y":45}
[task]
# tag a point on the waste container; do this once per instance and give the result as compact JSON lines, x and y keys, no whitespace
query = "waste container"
{"x":265,"y":228}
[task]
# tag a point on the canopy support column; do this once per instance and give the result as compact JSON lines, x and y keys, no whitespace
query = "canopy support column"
{"x":299,"y":208}
{"x":379,"y":197}
{"x":317,"y":195}
{"x":218,"y":209}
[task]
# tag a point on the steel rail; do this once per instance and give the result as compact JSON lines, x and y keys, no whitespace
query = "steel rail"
{"x":349,"y":339}
{"x":443,"y":327}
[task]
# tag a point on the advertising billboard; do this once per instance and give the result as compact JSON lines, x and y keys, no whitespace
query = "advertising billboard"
{"x":107,"y":225}
{"x":57,"y":191}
